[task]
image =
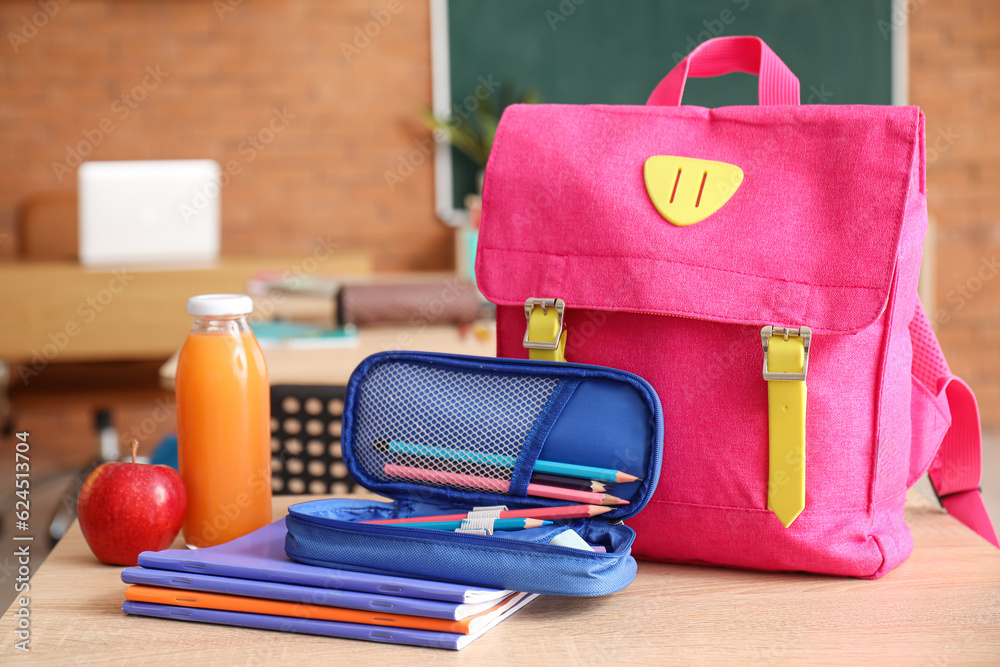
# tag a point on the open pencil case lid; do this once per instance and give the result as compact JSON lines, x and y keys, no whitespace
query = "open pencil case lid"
{"x":465,"y":419}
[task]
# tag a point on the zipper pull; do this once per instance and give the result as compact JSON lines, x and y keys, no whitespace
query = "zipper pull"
{"x":480,"y":520}
{"x":786,"y":362}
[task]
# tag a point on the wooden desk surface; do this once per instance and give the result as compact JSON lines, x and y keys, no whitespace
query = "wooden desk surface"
{"x":940,"y":607}
{"x":64,"y":311}
{"x":333,"y":366}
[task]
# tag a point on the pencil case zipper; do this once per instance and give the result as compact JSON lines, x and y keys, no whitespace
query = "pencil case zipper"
{"x":482,"y":539}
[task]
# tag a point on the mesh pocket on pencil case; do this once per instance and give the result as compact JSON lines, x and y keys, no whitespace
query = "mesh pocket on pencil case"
{"x":443,"y":427}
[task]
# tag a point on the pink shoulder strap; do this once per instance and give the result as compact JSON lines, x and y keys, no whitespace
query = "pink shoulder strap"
{"x":956,"y":469}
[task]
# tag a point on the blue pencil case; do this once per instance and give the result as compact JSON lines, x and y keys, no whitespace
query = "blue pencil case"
{"x":447,"y":434}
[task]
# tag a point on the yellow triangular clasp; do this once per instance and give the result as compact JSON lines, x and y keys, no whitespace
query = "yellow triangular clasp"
{"x":686,"y":190}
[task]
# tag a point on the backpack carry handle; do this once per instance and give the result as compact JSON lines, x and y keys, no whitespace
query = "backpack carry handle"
{"x":724,"y":55}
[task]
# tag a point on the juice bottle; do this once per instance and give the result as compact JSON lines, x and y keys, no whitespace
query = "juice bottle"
{"x":223,"y":422}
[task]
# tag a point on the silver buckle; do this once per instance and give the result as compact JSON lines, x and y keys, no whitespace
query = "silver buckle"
{"x":545,"y":304}
{"x":805,"y":333}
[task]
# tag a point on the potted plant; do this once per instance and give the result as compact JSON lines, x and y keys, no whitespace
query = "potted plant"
{"x":473,"y":134}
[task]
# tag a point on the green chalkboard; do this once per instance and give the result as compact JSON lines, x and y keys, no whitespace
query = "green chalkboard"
{"x":616,"y":51}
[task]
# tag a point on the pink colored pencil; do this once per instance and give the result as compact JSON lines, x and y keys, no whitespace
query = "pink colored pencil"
{"x":442,"y":477}
{"x":499,"y":485}
{"x":572,"y":495}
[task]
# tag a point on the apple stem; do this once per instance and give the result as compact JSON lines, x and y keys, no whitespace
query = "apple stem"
{"x":135,"y":449}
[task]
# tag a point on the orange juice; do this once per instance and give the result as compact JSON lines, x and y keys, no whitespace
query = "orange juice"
{"x":223,"y":423}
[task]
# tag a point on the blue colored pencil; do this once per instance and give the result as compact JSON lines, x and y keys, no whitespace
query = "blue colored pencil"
{"x":469,"y":455}
{"x":584,"y":472}
{"x":499,"y":524}
{"x":551,"y":467}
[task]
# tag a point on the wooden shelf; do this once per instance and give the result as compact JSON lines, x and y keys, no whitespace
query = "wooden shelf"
{"x":66,"y":312}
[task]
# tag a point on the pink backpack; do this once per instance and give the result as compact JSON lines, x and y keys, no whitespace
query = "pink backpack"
{"x":660,"y":239}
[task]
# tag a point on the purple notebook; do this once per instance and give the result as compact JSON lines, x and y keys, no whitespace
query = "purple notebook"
{"x":329,"y":597}
{"x":376,"y":633}
{"x":260,"y":556}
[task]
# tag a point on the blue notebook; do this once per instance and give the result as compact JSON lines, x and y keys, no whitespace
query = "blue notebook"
{"x":377,"y":633}
{"x":260,"y":556}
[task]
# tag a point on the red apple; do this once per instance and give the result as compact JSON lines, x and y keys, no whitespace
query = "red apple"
{"x":128,"y":508}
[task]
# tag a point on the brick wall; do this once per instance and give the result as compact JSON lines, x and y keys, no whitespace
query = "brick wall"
{"x":354,"y":119}
{"x":955,"y":79}
{"x":226,"y":67}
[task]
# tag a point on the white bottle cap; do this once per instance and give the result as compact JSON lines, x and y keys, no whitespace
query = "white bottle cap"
{"x":219,"y":305}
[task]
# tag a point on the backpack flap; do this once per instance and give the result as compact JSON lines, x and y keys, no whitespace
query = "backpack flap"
{"x":808,"y":232}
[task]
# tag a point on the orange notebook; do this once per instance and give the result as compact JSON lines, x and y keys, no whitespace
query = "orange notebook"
{"x":173,"y":596}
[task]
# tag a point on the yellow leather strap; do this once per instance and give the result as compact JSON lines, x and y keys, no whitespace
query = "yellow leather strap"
{"x":543,"y":325}
{"x":786,"y":412}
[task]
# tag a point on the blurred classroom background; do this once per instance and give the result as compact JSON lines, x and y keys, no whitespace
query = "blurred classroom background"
{"x":318,"y":113}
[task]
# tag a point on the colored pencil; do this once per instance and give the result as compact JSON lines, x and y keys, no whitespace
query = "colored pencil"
{"x":499,"y":524}
{"x":431,"y":463}
{"x":499,"y":485}
{"x":550,"y":467}
{"x":568,"y":482}
{"x":543,"y":491}
{"x":469,"y":455}
{"x":443,"y":477}
{"x":561,"y":512}
{"x":584,"y":472}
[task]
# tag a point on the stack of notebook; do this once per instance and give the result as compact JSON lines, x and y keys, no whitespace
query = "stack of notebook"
{"x":249,"y":582}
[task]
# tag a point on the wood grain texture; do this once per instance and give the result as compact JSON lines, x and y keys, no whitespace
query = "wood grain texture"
{"x":942,"y":606}
{"x":66,"y":312}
